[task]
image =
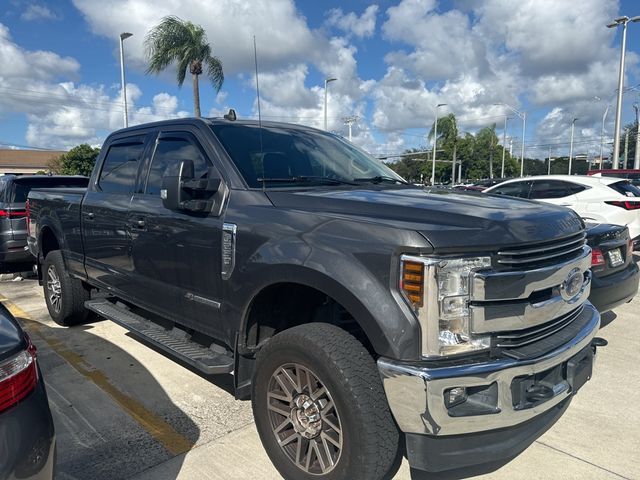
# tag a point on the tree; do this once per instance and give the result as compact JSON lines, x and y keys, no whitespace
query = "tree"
{"x":77,"y":161}
{"x":176,"y":40}
{"x":632,"y":128}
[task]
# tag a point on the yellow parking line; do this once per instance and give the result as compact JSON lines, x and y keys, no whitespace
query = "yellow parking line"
{"x":174,"y":442}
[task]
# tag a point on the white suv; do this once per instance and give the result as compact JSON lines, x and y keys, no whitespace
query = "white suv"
{"x":596,"y":199}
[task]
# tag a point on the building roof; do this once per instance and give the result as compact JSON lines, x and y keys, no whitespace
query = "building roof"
{"x":27,"y":158}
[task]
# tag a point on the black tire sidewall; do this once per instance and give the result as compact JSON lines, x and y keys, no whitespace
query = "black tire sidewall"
{"x":327,"y":372}
{"x":66,"y":316}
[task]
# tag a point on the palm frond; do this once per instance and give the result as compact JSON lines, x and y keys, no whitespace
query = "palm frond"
{"x":214,"y":71}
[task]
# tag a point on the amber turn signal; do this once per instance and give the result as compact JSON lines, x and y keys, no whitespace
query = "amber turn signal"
{"x":412,"y":282}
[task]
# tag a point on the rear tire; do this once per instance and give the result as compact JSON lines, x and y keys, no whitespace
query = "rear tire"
{"x":320,"y":408}
{"x":64,"y":295}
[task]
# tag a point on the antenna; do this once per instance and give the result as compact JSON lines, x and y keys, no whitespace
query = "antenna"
{"x":255,"y":58}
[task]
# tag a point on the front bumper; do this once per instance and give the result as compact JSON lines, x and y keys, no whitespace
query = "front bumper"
{"x":616,"y":289}
{"x":416,"y":396}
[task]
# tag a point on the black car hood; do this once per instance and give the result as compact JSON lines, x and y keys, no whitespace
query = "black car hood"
{"x":450,"y":220}
{"x":12,"y":338}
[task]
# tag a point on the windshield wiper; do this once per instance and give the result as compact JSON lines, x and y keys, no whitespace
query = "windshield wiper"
{"x":380,"y":179}
{"x":307,"y":179}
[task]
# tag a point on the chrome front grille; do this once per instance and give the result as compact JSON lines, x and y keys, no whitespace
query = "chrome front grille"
{"x":540,"y":255}
{"x":538,"y":340}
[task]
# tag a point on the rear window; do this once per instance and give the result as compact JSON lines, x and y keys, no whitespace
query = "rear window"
{"x":21,"y":189}
{"x":626,"y":189}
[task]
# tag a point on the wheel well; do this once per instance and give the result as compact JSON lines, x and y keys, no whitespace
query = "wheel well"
{"x":48,"y":242}
{"x":285,"y":305}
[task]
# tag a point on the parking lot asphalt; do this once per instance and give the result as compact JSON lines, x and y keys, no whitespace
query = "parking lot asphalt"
{"x":125,"y":411}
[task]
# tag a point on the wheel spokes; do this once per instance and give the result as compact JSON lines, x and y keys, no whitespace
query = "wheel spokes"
{"x":295,"y":396}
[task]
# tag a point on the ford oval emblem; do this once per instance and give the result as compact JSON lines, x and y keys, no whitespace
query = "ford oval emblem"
{"x":572,"y":285}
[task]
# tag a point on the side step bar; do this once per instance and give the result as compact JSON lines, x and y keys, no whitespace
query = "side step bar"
{"x":176,"y":342}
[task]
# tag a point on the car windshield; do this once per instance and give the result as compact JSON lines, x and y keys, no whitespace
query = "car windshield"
{"x":279,"y":156}
{"x":625,"y":188}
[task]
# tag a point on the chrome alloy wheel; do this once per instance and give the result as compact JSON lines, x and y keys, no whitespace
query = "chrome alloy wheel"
{"x":304,"y":419}
{"x":54,"y":290}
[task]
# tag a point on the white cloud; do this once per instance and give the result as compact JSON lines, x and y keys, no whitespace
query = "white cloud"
{"x":282,"y":34}
{"x":60,"y":112}
{"x":38,"y":12}
{"x":363,"y":26}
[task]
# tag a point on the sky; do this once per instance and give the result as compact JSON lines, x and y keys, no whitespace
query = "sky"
{"x":394,"y":61}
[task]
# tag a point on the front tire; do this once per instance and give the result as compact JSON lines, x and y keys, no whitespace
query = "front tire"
{"x":320,"y":408}
{"x":64,"y":295}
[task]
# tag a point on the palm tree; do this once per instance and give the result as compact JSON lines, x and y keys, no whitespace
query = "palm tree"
{"x":448,"y":135}
{"x":176,"y":40}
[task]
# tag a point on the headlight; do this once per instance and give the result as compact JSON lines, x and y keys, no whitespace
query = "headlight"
{"x":437,"y":289}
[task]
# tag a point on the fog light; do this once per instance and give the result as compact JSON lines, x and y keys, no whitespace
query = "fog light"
{"x":455,"y":396}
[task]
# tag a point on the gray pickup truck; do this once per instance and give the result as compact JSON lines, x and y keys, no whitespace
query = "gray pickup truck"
{"x":365,"y":317}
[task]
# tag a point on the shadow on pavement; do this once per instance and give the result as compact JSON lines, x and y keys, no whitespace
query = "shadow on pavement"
{"x":113,"y":420}
{"x":222,"y":381}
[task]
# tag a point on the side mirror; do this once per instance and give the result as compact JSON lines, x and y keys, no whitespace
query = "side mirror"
{"x":180,"y":191}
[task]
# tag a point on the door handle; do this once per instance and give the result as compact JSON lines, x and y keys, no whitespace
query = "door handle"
{"x":91,"y":216}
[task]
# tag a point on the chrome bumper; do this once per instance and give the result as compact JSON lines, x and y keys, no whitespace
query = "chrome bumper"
{"x":416,"y":393}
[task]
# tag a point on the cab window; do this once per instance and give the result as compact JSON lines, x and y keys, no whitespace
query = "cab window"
{"x":172,"y":148}
{"x":120,"y":167}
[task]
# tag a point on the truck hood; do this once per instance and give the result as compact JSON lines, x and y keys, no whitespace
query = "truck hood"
{"x":450,"y":220}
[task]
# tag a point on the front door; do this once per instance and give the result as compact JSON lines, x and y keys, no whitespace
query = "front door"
{"x":176,"y":254}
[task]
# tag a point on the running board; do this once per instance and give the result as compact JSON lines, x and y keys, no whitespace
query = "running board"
{"x":176,"y":342}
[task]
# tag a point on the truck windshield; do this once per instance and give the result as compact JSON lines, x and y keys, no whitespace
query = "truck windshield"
{"x":288,"y":156}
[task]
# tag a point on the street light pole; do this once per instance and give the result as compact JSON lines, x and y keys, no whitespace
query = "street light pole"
{"x":523,"y":116}
{"x":524,"y":124}
{"x":435,"y":141}
{"x":636,"y":159}
{"x":123,"y":37}
{"x":573,"y":122}
{"x":616,"y":137}
{"x":326,"y":81}
{"x":604,"y":118}
{"x":504,"y":146}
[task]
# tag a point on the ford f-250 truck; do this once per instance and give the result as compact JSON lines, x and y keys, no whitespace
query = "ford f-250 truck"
{"x":362,"y":315}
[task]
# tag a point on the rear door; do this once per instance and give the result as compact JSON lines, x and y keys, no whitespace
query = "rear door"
{"x":176,"y":254}
{"x":105,"y":211}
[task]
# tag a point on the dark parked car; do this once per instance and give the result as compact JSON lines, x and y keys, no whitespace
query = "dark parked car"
{"x":615,"y":274}
{"x":14,"y":255}
{"x":27,"y":439}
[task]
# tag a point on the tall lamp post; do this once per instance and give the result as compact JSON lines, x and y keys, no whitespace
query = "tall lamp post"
{"x":326,"y":81}
{"x":123,"y":37}
{"x":636,"y":159}
{"x":604,"y":119}
{"x":616,"y":137}
{"x":504,"y":145}
{"x":573,"y":123}
{"x":435,"y":141}
{"x":523,"y":116}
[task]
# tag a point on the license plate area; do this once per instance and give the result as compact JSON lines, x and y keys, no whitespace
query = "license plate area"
{"x":579,"y":368}
{"x":615,"y":257}
{"x":531,"y":390}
